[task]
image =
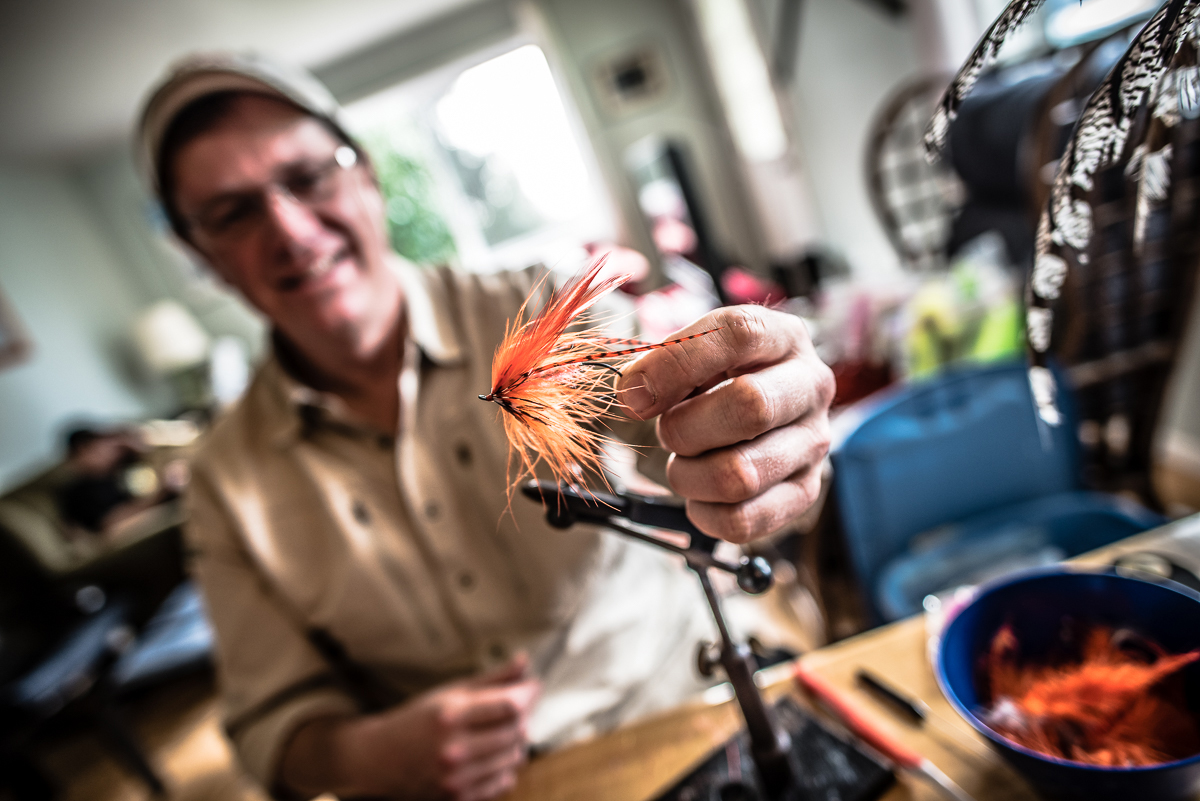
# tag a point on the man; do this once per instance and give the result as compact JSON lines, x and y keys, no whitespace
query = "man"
{"x":368,"y":581}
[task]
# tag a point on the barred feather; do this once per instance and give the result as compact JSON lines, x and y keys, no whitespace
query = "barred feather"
{"x":1101,"y":132}
{"x":1103,"y":128}
{"x":985,"y":52}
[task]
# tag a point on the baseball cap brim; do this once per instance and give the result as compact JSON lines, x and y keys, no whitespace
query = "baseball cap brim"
{"x":204,"y":74}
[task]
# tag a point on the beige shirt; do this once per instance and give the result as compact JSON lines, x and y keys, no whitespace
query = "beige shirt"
{"x":409,"y":554}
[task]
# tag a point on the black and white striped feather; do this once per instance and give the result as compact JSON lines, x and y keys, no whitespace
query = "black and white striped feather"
{"x":1100,"y":140}
{"x":984,"y":54}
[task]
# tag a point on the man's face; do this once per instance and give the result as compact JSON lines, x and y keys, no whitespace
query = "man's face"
{"x":315,"y":266}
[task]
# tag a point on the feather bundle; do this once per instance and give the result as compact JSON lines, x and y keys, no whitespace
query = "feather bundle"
{"x":555,"y":385}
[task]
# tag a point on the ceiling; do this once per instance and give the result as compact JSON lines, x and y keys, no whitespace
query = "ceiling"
{"x":73,"y":72}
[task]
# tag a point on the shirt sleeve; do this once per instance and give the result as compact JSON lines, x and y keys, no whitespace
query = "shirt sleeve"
{"x":272,"y":680}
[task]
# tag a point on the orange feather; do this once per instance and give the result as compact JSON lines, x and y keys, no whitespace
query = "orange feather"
{"x":554,"y":385}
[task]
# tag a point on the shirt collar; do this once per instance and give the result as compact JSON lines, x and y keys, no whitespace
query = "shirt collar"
{"x":430,"y":327}
{"x":430,"y":323}
{"x":281,"y":413}
{"x":292,"y":404}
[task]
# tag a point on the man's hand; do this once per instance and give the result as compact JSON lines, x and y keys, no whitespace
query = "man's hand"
{"x":745,"y":412}
{"x":463,"y":741}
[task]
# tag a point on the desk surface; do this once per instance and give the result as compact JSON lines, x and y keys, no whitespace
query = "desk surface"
{"x":639,"y":762}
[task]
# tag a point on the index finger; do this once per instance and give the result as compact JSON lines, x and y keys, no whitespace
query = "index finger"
{"x":748,"y":337}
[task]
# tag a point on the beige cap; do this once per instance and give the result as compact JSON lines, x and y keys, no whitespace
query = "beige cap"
{"x":207,"y":73}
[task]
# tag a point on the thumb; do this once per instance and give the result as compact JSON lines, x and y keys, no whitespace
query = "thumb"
{"x":514,"y":670}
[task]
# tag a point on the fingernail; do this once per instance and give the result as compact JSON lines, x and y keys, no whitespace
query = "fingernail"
{"x":637,"y":395}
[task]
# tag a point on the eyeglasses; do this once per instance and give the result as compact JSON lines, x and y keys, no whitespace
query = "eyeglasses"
{"x":234,"y":216}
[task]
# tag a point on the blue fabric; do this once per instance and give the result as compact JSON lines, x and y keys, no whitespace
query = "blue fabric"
{"x":1029,"y":534}
{"x":178,"y":637}
{"x":74,"y":665}
{"x":964,"y":444}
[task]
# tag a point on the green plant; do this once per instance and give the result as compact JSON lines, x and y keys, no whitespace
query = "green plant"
{"x":416,"y":229}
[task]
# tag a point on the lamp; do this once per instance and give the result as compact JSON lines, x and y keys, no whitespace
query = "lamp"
{"x":172,"y":344}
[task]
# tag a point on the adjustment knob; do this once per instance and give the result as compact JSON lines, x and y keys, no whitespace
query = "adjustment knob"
{"x":754,"y":575}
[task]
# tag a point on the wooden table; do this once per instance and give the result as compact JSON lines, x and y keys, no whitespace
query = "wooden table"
{"x":641,"y":761}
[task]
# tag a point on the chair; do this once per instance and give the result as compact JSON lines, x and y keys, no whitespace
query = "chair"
{"x":74,"y":674}
{"x":56,"y":658}
{"x":177,"y":641}
{"x":916,"y":201}
{"x":144,"y":565}
{"x":955,"y":479}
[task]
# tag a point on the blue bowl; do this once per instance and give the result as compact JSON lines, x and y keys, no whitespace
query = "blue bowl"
{"x":1035,"y":603}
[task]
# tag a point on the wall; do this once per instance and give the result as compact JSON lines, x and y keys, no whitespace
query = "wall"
{"x":947,"y":30}
{"x":585,"y":35}
{"x":150,"y":257}
{"x":76,"y":302}
{"x":82,"y":251}
{"x":851,"y":56}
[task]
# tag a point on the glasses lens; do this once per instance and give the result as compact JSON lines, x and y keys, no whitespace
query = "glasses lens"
{"x":232,"y":216}
{"x":311,"y":184}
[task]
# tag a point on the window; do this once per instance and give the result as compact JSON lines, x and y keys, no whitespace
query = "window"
{"x":482,"y":165}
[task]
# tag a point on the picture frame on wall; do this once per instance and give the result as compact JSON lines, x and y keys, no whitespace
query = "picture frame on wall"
{"x":14,"y":342}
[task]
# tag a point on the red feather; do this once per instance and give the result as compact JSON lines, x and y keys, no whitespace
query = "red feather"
{"x":554,"y":385}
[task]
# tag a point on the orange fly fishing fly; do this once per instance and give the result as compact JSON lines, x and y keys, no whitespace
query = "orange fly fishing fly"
{"x":554,"y":385}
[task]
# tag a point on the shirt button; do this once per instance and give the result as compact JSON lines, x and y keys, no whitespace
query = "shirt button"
{"x":498,"y":651}
{"x":466,"y":580}
{"x":361,"y":513}
{"x":432,"y":510}
{"x":462,"y":452}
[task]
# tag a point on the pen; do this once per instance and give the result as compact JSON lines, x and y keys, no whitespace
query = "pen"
{"x":918,"y":713}
{"x":912,"y":708}
{"x":903,"y":757}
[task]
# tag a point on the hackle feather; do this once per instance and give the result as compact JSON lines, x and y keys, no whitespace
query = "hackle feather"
{"x":554,"y":385}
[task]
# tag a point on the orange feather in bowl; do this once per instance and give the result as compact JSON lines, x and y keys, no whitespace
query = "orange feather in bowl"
{"x":554,"y":385}
{"x":1111,"y":707}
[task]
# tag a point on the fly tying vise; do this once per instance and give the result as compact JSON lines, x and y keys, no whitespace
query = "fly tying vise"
{"x":554,"y":385}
